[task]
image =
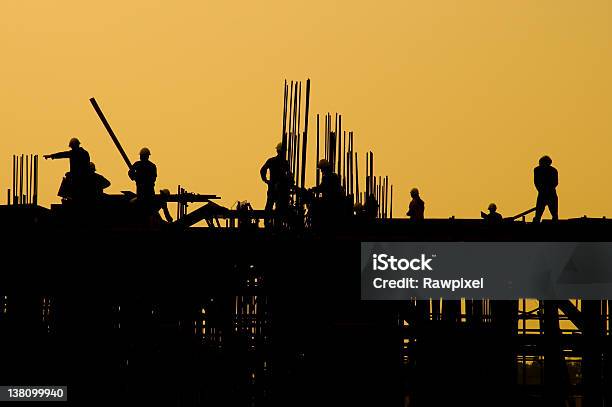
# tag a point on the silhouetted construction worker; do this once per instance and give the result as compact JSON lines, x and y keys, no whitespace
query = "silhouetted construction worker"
{"x":329,"y":210}
{"x":492,"y":216}
{"x":371,"y":206}
{"x":144,"y":173}
{"x":279,"y":181}
{"x":546,"y":179}
{"x":330,"y":187}
{"x":98,"y":183}
{"x":416,"y":208}
{"x":74,"y":184}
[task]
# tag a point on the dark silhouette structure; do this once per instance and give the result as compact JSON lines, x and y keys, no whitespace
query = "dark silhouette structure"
{"x":493,"y":216}
{"x":279,"y":182}
{"x":222,"y":321}
{"x":164,"y":194}
{"x":144,"y":173}
{"x":239,"y":316}
{"x":546,"y":179}
{"x":416,"y":208}
{"x":75,"y":184}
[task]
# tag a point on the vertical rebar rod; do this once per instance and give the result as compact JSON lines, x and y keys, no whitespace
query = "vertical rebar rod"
{"x":298,"y":137}
{"x":36,"y":180}
{"x":357,"y":179}
{"x":382,"y":198}
{"x":386,"y":196}
{"x":14,"y":179}
{"x":372,"y":176}
{"x":25,"y":186}
{"x":21,"y":179}
{"x":367,"y":171}
{"x":340,"y":155}
{"x":331,"y":149}
{"x":326,"y":142}
{"x":351,"y":161}
{"x":317,"y":163}
{"x":294,"y":129}
{"x":178,"y":203}
{"x":347,"y":160}
{"x":31,"y":178}
{"x":344,"y":172}
{"x":284,"y":133}
{"x":305,"y":140}
{"x":288,"y":147}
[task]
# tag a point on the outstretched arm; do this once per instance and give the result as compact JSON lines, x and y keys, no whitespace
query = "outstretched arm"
{"x":61,"y":154}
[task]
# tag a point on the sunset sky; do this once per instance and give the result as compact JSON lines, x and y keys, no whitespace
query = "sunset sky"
{"x":458,"y":98}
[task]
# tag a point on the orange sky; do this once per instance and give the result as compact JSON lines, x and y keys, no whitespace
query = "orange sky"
{"x":459,"y":98}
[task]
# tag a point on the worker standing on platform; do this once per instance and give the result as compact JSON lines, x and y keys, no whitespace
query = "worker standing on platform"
{"x":144,"y":173}
{"x":546,"y":179}
{"x":279,"y":182}
{"x":416,"y":208}
{"x":330,"y":187}
{"x":330,"y":209}
{"x":74,"y":184}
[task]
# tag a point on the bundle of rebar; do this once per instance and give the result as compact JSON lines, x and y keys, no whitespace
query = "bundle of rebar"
{"x":295,"y":141}
{"x":25,"y":180}
{"x":339,"y":151}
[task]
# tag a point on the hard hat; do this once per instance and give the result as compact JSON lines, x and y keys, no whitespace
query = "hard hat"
{"x":414,"y":191}
{"x":279,"y":147}
{"x":145,"y":151}
{"x":164,"y":191}
{"x":74,"y":142}
{"x":492,"y":207}
{"x":323,"y":163}
{"x":545,"y":160}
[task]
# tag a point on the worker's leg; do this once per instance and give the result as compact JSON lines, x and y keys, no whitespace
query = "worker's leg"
{"x":540,"y":205}
{"x":553,"y":206}
{"x":282,"y":208}
{"x":268,"y":209}
{"x":269,"y":202}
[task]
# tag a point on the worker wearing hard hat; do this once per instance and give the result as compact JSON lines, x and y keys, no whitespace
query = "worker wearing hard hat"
{"x":330,"y":187}
{"x":493,"y":215}
{"x":79,"y":157}
{"x":416,"y":208}
{"x":74,"y":183}
{"x":144,"y":173}
{"x":546,"y":179}
{"x":279,"y":180}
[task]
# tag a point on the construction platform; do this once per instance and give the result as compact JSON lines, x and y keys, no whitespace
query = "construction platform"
{"x":244,"y":316}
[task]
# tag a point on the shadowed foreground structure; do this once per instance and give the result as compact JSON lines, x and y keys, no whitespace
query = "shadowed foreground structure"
{"x":228,"y":316}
